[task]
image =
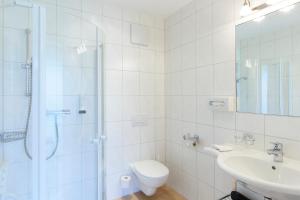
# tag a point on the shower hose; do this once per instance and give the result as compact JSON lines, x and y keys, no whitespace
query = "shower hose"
{"x":28,"y":122}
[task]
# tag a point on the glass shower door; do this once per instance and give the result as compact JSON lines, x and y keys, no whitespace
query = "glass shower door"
{"x":19,"y":58}
{"x":72,"y":100}
{"x":49,"y":107}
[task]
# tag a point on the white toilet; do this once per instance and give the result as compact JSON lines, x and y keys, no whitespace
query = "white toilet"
{"x":151,"y":174}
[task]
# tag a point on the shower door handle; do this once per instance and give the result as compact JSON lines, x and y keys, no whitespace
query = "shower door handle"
{"x":98,"y":140}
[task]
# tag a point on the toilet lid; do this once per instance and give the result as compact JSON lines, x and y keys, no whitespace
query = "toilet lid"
{"x":151,"y":168}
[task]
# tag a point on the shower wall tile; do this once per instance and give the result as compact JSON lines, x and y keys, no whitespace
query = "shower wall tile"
{"x":14,"y":153}
{"x":113,"y":30}
{"x":113,"y":57}
{"x":51,"y":18}
{"x":18,"y":171}
{"x":14,"y":44}
{"x":92,"y":6}
{"x":13,"y":79}
{"x":113,"y":12}
{"x":73,"y":4}
{"x":20,"y":21}
{"x":1,"y":42}
{"x":1,"y":86}
{"x":1,"y":113}
{"x":68,"y":22}
{"x":14,"y":120}
{"x":1,"y":14}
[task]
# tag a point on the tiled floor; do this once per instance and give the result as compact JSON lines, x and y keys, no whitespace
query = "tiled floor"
{"x":164,"y":193}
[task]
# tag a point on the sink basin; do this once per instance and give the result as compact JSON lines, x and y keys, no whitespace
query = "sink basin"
{"x":258,"y":169}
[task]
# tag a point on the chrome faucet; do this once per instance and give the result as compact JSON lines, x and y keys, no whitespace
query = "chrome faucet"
{"x":277,"y":151}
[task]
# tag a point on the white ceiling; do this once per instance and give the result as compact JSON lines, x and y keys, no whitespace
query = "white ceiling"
{"x":155,"y":7}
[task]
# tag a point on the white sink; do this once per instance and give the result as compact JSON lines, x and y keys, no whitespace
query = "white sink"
{"x":258,"y":169}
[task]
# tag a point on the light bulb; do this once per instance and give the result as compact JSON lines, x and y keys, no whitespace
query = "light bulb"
{"x":245,"y":10}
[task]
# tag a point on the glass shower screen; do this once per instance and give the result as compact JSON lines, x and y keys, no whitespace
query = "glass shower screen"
{"x":16,"y":67}
{"x":50,"y":106}
{"x":72,"y":100}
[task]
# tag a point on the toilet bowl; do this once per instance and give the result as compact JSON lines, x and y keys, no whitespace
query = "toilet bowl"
{"x":150,"y":174}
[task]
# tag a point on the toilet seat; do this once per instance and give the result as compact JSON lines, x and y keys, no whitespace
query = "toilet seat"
{"x":151,"y":169}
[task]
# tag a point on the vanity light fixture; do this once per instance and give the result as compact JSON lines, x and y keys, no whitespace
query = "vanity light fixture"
{"x":246,"y":9}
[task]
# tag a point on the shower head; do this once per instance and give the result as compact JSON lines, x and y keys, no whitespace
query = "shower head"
{"x":81,"y":49}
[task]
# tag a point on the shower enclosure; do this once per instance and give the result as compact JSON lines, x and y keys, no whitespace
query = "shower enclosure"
{"x":51,"y":117}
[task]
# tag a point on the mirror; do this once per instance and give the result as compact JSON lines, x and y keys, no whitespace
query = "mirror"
{"x":268,"y":63}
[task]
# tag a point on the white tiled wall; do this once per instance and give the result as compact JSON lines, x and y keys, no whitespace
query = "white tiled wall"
{"x":134,"y":77}
{"x":199,"y":41}
{"x":200,"y":50}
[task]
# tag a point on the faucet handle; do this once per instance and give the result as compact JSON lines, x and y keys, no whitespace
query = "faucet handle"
{"x":277,"y":145}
